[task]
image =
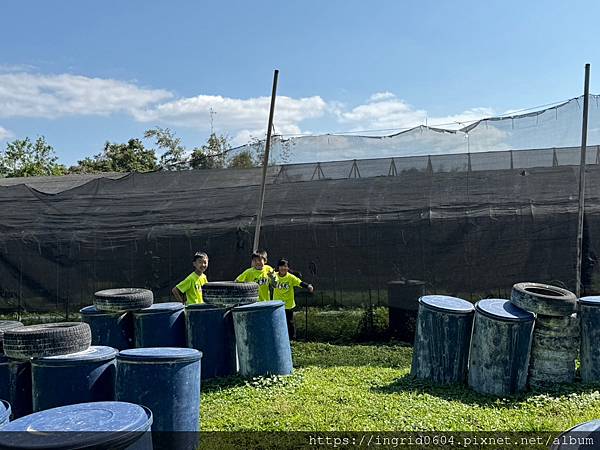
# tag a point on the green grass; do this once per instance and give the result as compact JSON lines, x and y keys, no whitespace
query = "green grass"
{"x":368,"y":387}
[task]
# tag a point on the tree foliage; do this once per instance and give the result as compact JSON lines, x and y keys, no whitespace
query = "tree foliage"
{"x":243,"y":160}
{"x":211,"y":155}
{"x":23,"y":158}
{"x":174,"y":156}
{"x":129,"y":157}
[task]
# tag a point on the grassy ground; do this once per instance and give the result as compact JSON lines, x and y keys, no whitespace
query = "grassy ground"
{"x":368,"y":387}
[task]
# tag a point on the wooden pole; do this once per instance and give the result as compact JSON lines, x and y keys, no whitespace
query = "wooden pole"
{"x":261,"y":200}
{"x":586,"y":93}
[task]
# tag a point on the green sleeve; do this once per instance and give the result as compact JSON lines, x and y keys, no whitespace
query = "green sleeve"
{"x":242,"y":277}
{"x":185,"y":285}
{"x":295,"y":281}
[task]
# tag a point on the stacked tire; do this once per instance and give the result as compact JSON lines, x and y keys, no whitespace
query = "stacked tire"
{"x":229,"y":293}
{"x":110,"y":317}
{"x":555,"y":342}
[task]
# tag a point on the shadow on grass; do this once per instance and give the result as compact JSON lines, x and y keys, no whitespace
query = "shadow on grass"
{"x":219,"y":384}
{"x":463,"y":394}
{"x":390,"y":355}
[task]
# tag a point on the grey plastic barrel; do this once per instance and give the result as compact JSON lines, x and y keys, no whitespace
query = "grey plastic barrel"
{"x":403,"y":307}
{"x":589,"y":354}
{"x":87,"y":376}
{"x":500,"y":348}
{"x":442,"y":341}
{"x":210,"y":330}
{"x":5,"y":412}
{"x":166,"y":380}
{"x":160,"y":325}
{"x":97,"y":425}
{"x":109,"y":329}
{"x":15,"y":385}
{"x":262,"y":339}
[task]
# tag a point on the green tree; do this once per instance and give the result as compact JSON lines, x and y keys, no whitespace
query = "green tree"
{"x":280,"y":152}
{"x":23,"y":158}
{"x":129,"y":157}
{"x":211,"y":155}
{"x":243,"y":160}
{"x":173,"y":157}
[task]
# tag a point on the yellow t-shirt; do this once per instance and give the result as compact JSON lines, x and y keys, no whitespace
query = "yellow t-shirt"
{"x":260,"y":277}
{"x":284,"y":289}
{"x":192,"y":287}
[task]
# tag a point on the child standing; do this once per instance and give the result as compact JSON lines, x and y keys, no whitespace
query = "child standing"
{"x":192,"y":285}
{"x":259,"y":273}
{"x":284,"y":284}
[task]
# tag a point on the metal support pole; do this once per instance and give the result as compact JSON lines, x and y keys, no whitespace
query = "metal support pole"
{"x":261,"y":201}
{"x":582,"y":179}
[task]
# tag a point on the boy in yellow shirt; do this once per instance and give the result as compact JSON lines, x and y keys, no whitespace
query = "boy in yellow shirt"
{"x":259,"y":273}
{"x":283,"y":289}
{"x":191,"y":286}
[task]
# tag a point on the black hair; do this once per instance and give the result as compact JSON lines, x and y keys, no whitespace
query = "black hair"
{"x":259,"y":254}
{"x":199,"y":255}
{"x":283,"y":262}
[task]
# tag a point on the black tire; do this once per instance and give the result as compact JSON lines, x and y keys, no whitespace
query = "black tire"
{"x":7,"y":325}
{"x":543,"y":299}
{"x":123,"y":299}
{"x":229,"y":293}
{"x":49,"y":339}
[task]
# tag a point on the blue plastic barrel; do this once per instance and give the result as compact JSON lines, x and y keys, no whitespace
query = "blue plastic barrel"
{"x":581,"y":437}
{"x":500,"y":347}
{"x":110,"y":329}
{"x":87,"y":376}
{"x":166,"y":380}
{"x":98,"y":425}
{"x":160,"y":325}
{"x":15,"y":385}
{"x":262,"y":339}
{"x":5,"y":412}
{"x":589,"y":353}
{"x":442,"y":340}
{"x":210,"y":330}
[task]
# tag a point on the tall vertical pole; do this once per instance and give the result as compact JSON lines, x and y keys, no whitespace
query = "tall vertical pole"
{"x":586,"y":93}
{"x":261,"y":201}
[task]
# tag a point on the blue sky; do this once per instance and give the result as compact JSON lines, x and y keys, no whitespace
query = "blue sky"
{"x":81,"y":73}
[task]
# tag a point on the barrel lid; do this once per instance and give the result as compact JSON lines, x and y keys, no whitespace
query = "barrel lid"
{"x":4,"y":411}
{"x":93,"y":311}
{"x":502,"y":309}
{"x":88,"y":425}
{"x":160,"y":307}
{"x":446,"y":303}
{"x":201,"y":306}
{"x":159,"y":354}
{"x":94,"y":353}
{"x":592,"y":300}
{"x":272,"y":304}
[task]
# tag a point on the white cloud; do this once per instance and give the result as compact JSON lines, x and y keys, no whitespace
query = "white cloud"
{"x":25,"y":94}
{"x":54,"y":96}
{"x":384,"y":111}
{"x":5,"y":134}
{"x":246,"y":117}
{"x":381,"y":96}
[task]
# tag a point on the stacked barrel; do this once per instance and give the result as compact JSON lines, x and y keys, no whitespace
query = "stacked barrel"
{"x":501,"y":346}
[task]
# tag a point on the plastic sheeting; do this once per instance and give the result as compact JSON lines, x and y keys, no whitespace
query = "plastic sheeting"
{"x":462,"y":232}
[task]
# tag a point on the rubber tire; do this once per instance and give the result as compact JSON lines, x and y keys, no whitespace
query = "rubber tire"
{"x":562,"y":303}
{"x":229,"y":293}
{"x":123,"y":299}
{"x":7,"y":325}
{"x":49,"y":339}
